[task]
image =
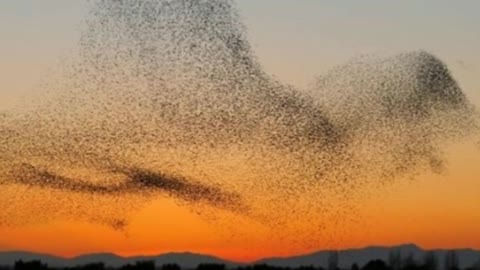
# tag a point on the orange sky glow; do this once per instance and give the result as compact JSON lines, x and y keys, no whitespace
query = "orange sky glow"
{"x":430,"y":210}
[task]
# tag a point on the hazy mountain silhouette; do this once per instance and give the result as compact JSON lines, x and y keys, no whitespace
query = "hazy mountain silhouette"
{"x":361,"y":256}
{"x":185,"y":260}
{"x":347,"y":257}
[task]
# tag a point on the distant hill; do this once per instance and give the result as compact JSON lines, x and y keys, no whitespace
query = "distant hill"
{"x":467,"y":257}
{"x":185,"y":260}
{"x":347,"y":257}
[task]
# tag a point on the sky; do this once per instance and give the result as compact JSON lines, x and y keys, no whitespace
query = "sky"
{"x":295,"y":41}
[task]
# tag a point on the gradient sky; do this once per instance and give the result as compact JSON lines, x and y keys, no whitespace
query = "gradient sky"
{"x":295,"y":41}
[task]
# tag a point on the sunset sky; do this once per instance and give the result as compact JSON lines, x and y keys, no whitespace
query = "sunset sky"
{"x":295,"y":41}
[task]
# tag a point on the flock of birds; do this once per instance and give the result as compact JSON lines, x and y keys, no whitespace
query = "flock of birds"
{"x":166,"y":98}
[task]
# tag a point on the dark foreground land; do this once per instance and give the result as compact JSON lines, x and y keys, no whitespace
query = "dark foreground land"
{"x":395,"y":261}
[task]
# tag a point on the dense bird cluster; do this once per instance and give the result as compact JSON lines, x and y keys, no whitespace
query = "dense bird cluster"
{"x":167,"y":98}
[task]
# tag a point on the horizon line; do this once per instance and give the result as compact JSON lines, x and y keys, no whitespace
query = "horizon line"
{"x":234,"y":260}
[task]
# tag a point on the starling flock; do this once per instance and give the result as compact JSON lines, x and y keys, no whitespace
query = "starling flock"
{"x":167,"y":98}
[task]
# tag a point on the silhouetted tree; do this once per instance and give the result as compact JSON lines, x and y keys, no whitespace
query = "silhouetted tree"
{"x":375,"y":265}
{"x":92,"y":266}
{"x":140,"y":265}
{"x":147,"y":265}
{"x":31,"y":265}
{"x":451,"y":260}
{"x":171,"y":266}
{"x":307,"y":267}
{"x":332,"y":261}
{"x":211,"y":266}
{"x":269,"y":267}
{"x":355,"y":267}
{"x":262,"y":267}
{"x":430,"y":261}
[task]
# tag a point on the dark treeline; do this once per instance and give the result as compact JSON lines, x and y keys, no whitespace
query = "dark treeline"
{"x":396,"y":261}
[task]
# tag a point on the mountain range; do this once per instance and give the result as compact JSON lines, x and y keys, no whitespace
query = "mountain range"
{"x":347,"y":257}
